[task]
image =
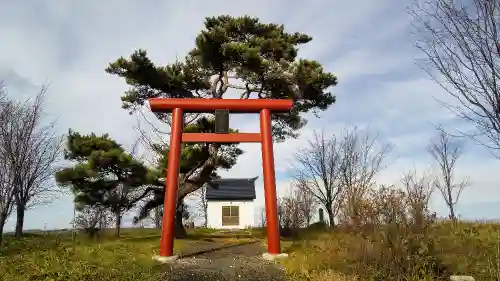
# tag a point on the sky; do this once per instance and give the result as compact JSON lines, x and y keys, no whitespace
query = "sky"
{"x":366,"y":44}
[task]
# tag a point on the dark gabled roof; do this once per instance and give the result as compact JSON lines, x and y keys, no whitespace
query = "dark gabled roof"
{"x":231,"y":189}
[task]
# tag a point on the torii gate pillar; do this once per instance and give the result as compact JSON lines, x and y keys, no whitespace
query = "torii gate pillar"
{"x":180,"y":106}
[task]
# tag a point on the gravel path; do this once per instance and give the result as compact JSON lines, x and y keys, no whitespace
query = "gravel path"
{"x":236,"y":263}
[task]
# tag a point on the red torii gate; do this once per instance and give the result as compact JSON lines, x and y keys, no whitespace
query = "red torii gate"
{"x":180,"y":106}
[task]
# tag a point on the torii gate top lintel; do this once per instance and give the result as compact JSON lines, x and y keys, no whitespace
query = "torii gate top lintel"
{"x":200,"y":105}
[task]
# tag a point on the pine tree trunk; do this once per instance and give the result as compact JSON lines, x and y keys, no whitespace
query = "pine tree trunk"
{"x":118,"y":219}
{"x":20,"y":210}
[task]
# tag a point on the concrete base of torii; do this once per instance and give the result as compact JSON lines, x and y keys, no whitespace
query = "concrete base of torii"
{"x":169,"y":259}
{"x":273,"y":257}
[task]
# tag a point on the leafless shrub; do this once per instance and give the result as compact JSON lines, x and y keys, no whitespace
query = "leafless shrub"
{"x":308,"y":204}
{"x":363,"y":156}
{"x":93,"y":219}
{"x":394,"y":240}
{"x":418,"y":193}
{"x":289,"y":214}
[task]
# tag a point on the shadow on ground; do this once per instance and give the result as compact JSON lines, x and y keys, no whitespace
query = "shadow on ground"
{"x":241,"y":262}
{"x":208,"y":247}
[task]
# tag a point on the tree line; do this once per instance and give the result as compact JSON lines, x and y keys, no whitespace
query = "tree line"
{"x":338,"y":173}
{"x":241,"y":55}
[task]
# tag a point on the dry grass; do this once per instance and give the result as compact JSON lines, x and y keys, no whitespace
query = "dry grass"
{"x":60,"y":256}
{"x":392,"y":236}
{"x":470,"y":248}
{"x":463,"y":249}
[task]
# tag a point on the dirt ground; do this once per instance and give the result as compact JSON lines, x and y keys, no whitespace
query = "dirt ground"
{"x":242,"y":262}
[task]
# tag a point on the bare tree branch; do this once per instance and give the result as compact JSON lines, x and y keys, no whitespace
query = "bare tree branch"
{"x":460,"y":41}
{"x":7,"y":189}
{"x":290,"y":215}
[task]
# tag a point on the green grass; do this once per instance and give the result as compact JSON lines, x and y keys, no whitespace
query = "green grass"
{"x":465,"y":248}
{"x":60,"y":256}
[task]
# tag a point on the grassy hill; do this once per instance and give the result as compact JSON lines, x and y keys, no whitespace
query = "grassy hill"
{"x":380,"y":253}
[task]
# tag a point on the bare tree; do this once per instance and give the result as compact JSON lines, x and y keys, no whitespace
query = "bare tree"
{"x":362,"y":156}
{"x":6,"y":187}
{"x":307,"y":204}
{"x":446,"y":153}
{"x":460,"y":41}
{"x":315,"y":170}
{"x":418,"y":193}
{"x":31,"y":150}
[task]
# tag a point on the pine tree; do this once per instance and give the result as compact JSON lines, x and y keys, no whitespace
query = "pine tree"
{"x":231,"y":55}
{"x":104,"y":174}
